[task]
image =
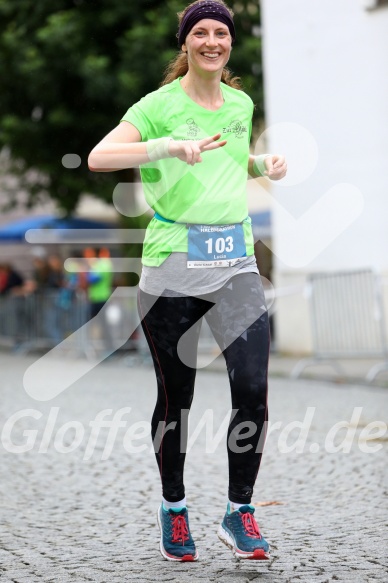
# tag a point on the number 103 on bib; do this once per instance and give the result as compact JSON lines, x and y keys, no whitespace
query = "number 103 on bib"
{"x":220,"y":245}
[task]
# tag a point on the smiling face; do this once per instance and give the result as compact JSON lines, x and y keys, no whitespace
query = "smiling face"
{"x":208,"y":46}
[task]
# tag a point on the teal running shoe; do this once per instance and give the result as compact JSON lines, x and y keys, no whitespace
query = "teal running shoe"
{"x":240,"y":532}
{"x":176,"y":543}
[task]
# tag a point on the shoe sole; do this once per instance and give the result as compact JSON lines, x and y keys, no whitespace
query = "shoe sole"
{"x":256,"y":555}
{"x":165,"y":554}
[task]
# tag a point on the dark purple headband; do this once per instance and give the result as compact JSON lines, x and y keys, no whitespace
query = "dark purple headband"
{"x":206,"y":9}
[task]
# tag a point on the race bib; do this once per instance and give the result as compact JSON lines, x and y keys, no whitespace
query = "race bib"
{"x":215,"y":245}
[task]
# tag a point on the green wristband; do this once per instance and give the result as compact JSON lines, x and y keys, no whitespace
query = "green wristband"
{"x":259,"y":167}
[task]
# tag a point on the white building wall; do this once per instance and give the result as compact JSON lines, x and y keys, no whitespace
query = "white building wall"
{"x":326,"y":70}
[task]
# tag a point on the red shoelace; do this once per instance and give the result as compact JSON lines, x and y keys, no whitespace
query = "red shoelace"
{"x":180,"y":532}
{"x":250,"y":525}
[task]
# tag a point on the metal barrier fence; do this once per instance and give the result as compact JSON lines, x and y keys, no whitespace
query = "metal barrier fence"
{"x":46,"y":320}
{"x":40,"y":320}
{"x":347,"y":319}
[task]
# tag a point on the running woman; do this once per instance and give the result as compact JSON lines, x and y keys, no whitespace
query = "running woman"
{"x":191,"y":140}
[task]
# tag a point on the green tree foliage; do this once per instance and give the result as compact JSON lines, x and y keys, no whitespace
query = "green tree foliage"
{"x":71,"y":68}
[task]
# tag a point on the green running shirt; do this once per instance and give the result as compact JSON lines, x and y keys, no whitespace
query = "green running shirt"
{"x":101,"y":290}
{"x":211,"y":192}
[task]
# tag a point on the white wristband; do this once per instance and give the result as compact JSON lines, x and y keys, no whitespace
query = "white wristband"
{"x":158,"y":149}
{"x":258,"y":164}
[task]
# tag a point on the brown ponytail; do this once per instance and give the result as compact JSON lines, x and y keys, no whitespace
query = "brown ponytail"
{"x":178,"y":66}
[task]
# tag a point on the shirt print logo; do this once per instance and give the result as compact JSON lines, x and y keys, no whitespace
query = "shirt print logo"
{"x":193,"y":130}
{"x":235,"y":127}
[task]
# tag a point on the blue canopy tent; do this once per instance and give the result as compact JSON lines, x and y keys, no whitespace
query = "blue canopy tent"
{"x":15,"y":232}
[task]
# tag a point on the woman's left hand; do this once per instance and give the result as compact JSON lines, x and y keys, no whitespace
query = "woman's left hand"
{"x":276,"y":167}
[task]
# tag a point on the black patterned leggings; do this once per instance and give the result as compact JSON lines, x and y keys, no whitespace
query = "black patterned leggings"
{"x":238,"y":319}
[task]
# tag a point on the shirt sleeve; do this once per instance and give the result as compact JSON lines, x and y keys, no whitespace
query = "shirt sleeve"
{"x":145,"y":115}
{"x":251,"y":110}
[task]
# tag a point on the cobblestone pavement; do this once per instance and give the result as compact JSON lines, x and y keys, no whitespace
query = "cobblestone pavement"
{"x":77,"y":517}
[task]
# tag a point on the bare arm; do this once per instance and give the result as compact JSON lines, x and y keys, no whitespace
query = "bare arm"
{"x":123,"y":148}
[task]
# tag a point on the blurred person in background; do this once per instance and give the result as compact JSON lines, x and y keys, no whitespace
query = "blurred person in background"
{"x":40,"y":271}
{"x":99,"y":290}
{"x":11,"y":302}
{"x":42,"y":295}
{"x":50,"y":291}
{"x":74,"y":294}
{"x":10,"y":280}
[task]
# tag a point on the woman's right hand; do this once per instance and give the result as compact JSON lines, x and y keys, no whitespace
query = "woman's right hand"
{"x":190,"y":151}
